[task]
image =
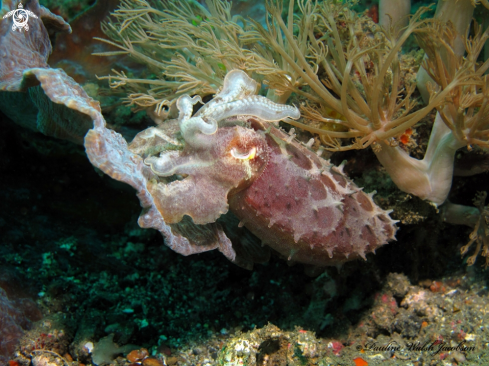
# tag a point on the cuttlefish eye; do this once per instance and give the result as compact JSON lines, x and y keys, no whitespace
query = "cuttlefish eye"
{"x":244,"y":156}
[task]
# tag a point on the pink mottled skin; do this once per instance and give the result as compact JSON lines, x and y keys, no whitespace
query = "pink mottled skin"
{"x":297,"y":203}
{"x":228,"y":156}
{"x":308,"y":210}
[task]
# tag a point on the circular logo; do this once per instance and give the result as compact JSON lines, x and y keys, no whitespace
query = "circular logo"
{"x":20,"y":18}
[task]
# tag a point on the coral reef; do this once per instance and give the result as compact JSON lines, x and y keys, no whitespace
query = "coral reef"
{"x":217,"y":169}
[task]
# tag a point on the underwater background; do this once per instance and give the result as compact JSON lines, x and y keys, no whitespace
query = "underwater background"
{"x":81,"y":283}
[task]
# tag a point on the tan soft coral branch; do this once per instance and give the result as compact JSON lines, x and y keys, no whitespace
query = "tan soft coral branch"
{"x":370,"y":114}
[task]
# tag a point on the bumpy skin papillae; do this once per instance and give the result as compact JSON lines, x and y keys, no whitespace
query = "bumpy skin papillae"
{"x":296,"y":202}
{"x":308,"y":210}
